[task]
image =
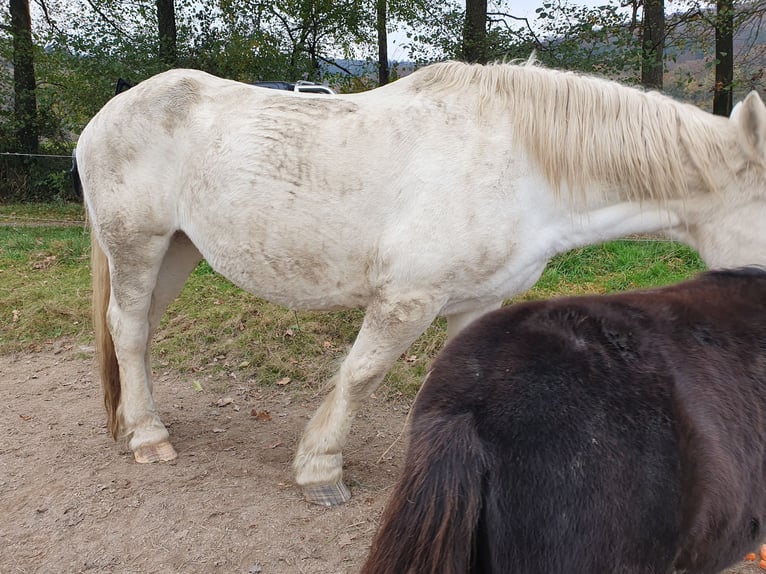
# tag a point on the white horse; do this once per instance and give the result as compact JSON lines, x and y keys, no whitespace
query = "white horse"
{"x":443,"y":193}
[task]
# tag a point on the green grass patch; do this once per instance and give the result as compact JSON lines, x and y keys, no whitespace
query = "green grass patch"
{"x":616,"y":266}
{"x":44,"y":285}
{"x":215,"y":329}
{"x":40,"y":212}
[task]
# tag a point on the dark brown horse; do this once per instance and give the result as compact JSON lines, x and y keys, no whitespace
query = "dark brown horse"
{"x":592,"y":435}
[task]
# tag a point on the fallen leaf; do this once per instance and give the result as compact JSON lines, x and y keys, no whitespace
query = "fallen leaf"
{"x":224,"y":401}
{"x":197,"y":386}
{"x":276,"y":444}
{"x":49,"y":261}
{"x":289,"y":333}
{"x":217,"y":430}
{"x":15,"y":316}
{"x":26,"y":417}
{"x":282,"y":382}
{"x":260,"y":415}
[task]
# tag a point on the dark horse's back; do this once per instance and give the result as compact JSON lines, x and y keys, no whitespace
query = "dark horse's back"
{"x":591,"y":435}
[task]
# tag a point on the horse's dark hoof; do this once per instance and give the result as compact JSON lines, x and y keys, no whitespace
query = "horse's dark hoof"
{"x":327,"y":494}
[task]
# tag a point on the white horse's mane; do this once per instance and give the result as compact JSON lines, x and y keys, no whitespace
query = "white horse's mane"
{"x":582,"y":129}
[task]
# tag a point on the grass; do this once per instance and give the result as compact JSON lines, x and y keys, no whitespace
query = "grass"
{"x":41,"y":212}
{"x":214,"y":328}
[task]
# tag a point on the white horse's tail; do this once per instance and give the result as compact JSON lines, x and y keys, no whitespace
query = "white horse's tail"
{"x":107,"y":358}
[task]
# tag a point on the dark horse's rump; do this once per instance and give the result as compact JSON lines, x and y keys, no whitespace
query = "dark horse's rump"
{"x":591,"y":435}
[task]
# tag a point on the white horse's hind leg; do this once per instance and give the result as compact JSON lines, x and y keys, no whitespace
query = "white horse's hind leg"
{"x":180,"y":260}
{"x":147,"y":273}
{"x":458,"y":321}
{"x":388,"y":329}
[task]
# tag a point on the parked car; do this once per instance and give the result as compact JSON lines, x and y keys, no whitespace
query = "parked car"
{"x":300,"y":86}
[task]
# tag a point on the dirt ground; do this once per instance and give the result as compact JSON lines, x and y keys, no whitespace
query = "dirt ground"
{"x":72,"y":500}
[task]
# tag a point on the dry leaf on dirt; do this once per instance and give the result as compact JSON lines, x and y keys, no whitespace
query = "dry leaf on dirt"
{"x":260,"y":415}
{"x":224,"y":401}
{"x":283,"y":381}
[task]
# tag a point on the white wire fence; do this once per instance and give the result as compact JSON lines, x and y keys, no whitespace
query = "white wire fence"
{"x":36,"y":177}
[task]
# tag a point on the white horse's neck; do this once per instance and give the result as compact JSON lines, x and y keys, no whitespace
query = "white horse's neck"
{"x":613,"y":222}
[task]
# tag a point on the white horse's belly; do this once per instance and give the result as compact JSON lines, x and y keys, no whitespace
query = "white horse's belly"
{"x":314,"y":276}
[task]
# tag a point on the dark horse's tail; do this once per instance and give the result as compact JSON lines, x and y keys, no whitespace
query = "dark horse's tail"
{"x":76,"y":182}
{"x":431,"y":522}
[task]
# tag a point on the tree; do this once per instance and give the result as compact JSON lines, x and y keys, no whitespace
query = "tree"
{"x":724,"y":57}
{"x":653,"y":44}
{"x":166,"y":25}
{"x":382,"y":21}
{"x":475,"y":31}
{"x":24,"y":85}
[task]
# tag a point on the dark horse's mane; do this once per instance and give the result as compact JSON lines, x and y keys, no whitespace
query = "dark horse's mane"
{"x":590,"y":435}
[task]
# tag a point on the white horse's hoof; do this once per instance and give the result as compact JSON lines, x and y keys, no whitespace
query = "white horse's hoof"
{"x":161,"y":452}
{"x":327,"y":494}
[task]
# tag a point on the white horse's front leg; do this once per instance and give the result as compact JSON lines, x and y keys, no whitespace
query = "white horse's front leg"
{"x":389,"y":328}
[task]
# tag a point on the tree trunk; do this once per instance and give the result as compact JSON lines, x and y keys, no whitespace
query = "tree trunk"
{"x":475,"y":31}
{"x":653,"y":44}
{"x":383,"y":77}
{"x":24,"y":85}
{"x":724,"y":55}
{"x":166,"y":24}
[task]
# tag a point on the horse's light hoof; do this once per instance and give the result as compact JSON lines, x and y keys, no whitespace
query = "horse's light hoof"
{"x":327,"y":494}
{"x":161,"y":452}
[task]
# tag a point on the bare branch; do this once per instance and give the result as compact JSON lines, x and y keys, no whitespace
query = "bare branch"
{"x":106,"y":19}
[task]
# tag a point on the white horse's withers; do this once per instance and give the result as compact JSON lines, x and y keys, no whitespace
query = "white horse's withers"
{"x":443,"y":193}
